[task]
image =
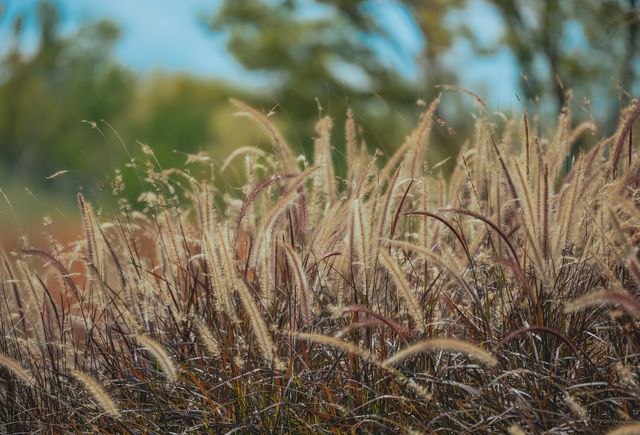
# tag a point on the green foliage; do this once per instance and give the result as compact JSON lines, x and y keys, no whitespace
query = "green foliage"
{"x":325,"y":50}
{"x":299,"y":50}
{"x":45,"y":97}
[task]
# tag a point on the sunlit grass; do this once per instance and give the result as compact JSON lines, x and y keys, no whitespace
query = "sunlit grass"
{"x":502,"y":297}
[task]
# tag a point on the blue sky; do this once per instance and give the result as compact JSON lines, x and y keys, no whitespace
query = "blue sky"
{"x":169,"y":35}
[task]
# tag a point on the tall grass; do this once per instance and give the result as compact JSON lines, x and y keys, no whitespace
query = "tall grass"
{"x":502,"y":298}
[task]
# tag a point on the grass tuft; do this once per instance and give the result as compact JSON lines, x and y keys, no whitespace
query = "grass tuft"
{"x":312,"y":300}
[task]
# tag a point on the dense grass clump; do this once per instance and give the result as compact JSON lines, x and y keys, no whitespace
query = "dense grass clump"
{"x":503,"y":297}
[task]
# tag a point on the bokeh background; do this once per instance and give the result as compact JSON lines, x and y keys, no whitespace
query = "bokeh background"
{"x":82,"y":81}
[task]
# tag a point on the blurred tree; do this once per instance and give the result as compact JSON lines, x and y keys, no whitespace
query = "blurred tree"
{"x":44,"y":97}
{"x":589,"y":46}
{"x":331,"y":50}
{"x":178,"y":114}
{"x":346,"y":53}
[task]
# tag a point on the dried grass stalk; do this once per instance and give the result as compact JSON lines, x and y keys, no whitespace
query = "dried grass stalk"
{"x":626,"y":429}
{"x":14,"y":367}
{"x":99,"y":394}
{"x":206,"y":337}
{"x":631,"y":305}
{"x":412,"y":304}
{"x":446,"y":344}
{"x":304,"y":289}
{"x":161,"y":356}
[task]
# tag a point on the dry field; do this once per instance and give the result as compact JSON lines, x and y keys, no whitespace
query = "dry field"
{"x":501,"y":298}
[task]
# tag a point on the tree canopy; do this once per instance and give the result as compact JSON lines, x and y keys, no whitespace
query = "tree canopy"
{"x":311,"y":58}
